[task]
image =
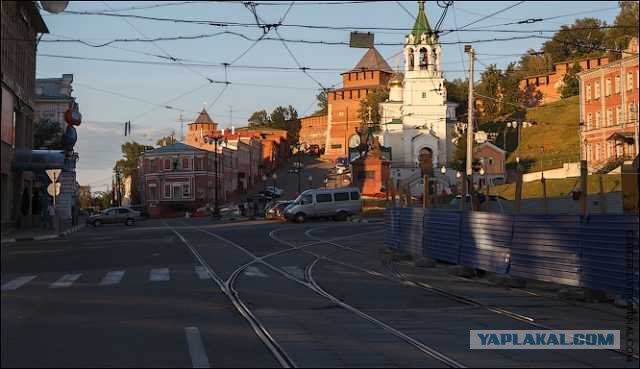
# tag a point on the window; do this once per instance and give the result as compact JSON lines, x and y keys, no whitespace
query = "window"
{"x":589,"y":152}
{"x":123,"y":211}
{"x":598,"y":120}
{"x":307,"y":200}
{"x":355,"y":195}
{"x":153,"y":193}
{"x":186,"y":190}
{"x":185,"y":163}
{"x":610,"y":149}
{"x":629,"y":81}
{"x":619,"y":114}
{"x":607,"y":87}
{"x":598,"y":152}
{"x":341,"y":196}
{"x":167,"y":191}
{"x":630,"y":112}
{"x":167,"y":164}
{"x":597,"y":90}
{"x":323,"y":197}
{"x":424,"y":95}
{"x":617,"y":84}
{"x":609,"y":121}
{"x":589,"y":121}
{"x":198,"y":164}
{"x":588,"y":93}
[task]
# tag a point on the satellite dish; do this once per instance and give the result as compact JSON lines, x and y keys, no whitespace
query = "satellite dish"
{"x":54,"y":7}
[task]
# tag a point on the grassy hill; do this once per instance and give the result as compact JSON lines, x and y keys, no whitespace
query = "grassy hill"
{"x":559,"y":187}
{"x":557,"y":129}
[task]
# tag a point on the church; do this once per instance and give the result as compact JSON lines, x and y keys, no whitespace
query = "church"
{"x":417,"y":122}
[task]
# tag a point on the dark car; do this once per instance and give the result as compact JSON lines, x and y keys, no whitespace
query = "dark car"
{"x":140,"y":209}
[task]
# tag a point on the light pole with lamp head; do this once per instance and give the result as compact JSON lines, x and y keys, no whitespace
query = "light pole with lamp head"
{"x":325,"y":180}
{"x":264,"y":182}
{"x":310,"y":178}
{"x":274,"y":176}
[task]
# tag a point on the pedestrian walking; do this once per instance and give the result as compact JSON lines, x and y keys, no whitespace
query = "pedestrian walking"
{"x":242,"y":208}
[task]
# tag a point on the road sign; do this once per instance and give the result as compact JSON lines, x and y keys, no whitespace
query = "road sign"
{"x":54,"y":174}
{"x":54,"y":189}
{"x":361,"y":40}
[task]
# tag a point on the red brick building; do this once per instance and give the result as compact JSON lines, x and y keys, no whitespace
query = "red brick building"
{"x":371,"y":172}
{"x":550,"y":84}
{"x":313,"y":130}
{"x":493,"y":161}
{"x":178,"y":178}
{"x":276,"y":146}
{"x":609,"y":112}
{"x":342,"y":118}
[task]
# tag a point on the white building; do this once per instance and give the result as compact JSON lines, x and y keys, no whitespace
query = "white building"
{"x":417,"y":120}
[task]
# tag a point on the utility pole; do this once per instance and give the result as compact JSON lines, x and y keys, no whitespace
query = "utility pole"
{"x":469,"y":171}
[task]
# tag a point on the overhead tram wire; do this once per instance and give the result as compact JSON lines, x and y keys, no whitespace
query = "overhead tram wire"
{"x":491,"y":15}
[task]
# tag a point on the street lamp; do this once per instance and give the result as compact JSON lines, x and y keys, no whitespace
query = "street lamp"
{"x":264,"y":181}
{"x":274,"y":176}
{"x":325,"y":180}
{"x":443,"y":170}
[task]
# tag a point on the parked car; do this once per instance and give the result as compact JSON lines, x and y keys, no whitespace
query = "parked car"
{"x":313,"y":150}
{"x":140,"y":209}
{"x":201,"y":212}
{"x":342,"y":165}
{"x":337,"y":203}
{"x":275,"y":210}
{"x":114,"y":215}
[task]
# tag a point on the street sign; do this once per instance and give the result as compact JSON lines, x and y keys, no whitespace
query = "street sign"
{"x":361,"y":40}
{"x":54,"y":189}
{"x":54,"y":174}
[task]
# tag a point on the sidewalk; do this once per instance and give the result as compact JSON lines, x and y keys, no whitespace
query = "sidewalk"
{"x":38,"y":233}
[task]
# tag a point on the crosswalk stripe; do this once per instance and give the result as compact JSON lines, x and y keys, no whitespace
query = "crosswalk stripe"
{"x":254,"y":272}
{"x":112,"y":278}
{"x":18,"y":282}
{"x":202,"y":272}
{"x":65,"y":281}
{"x":294,"y":271}
{"x":159,"y":275}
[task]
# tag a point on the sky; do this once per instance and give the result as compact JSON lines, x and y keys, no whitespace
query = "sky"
{"x":110,"y":93}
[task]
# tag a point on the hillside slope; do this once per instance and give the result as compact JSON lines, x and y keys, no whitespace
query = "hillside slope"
{"x":557,"y":129}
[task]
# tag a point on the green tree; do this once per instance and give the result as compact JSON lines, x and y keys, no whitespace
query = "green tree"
{"x":458,"y":92}
{"x":626,"y":27}
{"x":534,"y":62}
{"x":323,"y":104}
{"x":490,"y":89}
{"x":571,"y":84}
{"x":287,"y":119}
{"x":259,"y":119}
{"x":131,"y":152}
{"x":585,"y":37}
{"x":84,"y":196}
{"x":48,"y":135}
{"x":167,"y":140}
{"x":371,"y":104}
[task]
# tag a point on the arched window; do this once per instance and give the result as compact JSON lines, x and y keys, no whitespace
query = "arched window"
{"x":434,"y":57}
{"x":411,"y":59}
{"x":423,"y":58}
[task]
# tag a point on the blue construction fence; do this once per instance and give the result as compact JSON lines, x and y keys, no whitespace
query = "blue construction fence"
{"x":598,"y":252}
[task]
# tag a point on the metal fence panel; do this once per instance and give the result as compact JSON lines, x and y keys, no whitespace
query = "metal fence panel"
{"x":485,"y":241}
{"x":546,"y":248}
{"x":609,"y":253}
{"x":392,"y":223}
{"x":441,"y":238}
{"x":406,"y":230}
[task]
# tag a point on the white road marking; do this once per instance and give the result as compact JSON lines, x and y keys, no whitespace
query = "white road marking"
{"x":65,"y":281}
{"x":18,"y":282}
{"x":112,"y":278}
{"x":295,"y":271}
{"x":196,"y":348}
{"x":202,"y":272}
{"x":254,"y":272}
{"x":159,"y":275}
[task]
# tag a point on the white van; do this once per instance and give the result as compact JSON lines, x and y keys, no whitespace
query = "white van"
{"x":338,"y":203}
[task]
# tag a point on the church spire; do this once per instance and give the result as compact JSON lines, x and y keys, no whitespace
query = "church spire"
{"x":422,"y":23}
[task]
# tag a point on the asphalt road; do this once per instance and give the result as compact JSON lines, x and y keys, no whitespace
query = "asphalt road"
{"x":185,"y":292}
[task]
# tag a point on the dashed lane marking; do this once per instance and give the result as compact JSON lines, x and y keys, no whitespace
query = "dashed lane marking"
{"x":199,"y":357}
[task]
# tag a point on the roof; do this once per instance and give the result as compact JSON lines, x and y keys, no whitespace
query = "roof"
{"x":422,"y":24}
{"x":175,"y":148}
{"x":372,"y":60}
{"x":494,"y":147}
{"x":203,"y":118}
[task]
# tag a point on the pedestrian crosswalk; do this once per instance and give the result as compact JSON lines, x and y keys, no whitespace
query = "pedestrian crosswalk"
{"x":104,"y":279}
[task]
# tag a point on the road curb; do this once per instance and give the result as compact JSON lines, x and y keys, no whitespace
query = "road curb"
{"x":66,"y":233}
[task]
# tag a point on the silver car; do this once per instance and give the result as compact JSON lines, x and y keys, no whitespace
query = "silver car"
{"x":122,"y":215}
{"x":337,"y":203}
